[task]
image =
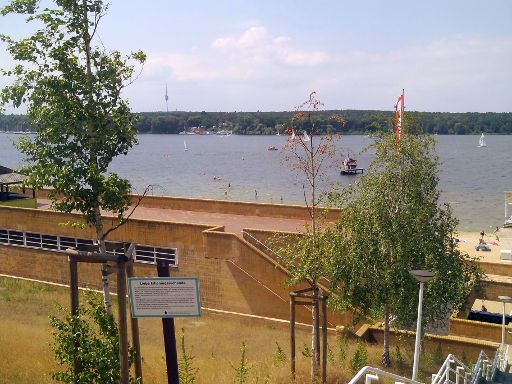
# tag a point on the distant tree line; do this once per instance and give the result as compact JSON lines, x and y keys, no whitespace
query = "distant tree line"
{"x":270,"y":123}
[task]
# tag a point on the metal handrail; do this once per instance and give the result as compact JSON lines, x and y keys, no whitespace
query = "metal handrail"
{"x":367,"y":370}
{"x":478,"y":367}
{"x":440,"y":377}
{"x":260,"y":245}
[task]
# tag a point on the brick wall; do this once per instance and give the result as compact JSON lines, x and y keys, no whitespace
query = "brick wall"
{"x":233,"y":275}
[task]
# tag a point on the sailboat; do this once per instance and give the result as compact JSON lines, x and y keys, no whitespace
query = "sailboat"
{"x":293,"y":134}
{"x":481,"y":141}
{"x":305,"y":137}
{"x":185,"y":145}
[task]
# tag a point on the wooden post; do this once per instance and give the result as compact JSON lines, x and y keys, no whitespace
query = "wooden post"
{"x":171,"y":356}
{"x":123,"y":325}
{"x":135,"y":332}
{"x":316,"y":324}
{"x":324,"y":339}
{"x":73,"y":289}
{"x":292,"y":335}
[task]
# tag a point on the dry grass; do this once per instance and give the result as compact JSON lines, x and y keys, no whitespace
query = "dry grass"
{"x":26,"y":357}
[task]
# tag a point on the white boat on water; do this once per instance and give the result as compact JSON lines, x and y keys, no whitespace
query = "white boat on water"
{"x":224,"y":133}
{"x":305,"y":137}
{"x":185,"y":145}
{"x":481,"y":141}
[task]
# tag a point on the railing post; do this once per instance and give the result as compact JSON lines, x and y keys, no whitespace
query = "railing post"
{"x":488,"y":372}
{"x":484,"y":368}
{"x":447,"y":371}
{"x":459,"y":372}
{"x":370,"y":378}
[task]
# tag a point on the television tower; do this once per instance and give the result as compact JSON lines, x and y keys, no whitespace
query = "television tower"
{"x":166,"y":98}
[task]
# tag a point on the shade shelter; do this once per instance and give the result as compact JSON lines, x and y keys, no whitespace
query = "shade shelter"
{"x":9,"y":178}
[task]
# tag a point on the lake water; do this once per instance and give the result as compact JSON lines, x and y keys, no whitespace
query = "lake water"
{"x":472,"y":179}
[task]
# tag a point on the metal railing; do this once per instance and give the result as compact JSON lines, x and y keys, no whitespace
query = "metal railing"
{"x":453,"y":371}
{"x":147,"y":254}
{"x":373,"y":374}
{"x":453,"y":368}
{"x":261,"y":246}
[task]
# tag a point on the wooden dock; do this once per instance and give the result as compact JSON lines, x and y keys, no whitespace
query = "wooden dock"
{"x":352,"y":171}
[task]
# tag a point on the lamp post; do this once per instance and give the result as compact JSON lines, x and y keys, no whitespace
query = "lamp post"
{"x":422,"y":277}
{"x":504,"y":300}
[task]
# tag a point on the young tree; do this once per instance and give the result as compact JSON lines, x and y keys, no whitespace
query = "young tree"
{"x":72,"y":92}
{"x":391,"y":222}
{"x":305,"y":255}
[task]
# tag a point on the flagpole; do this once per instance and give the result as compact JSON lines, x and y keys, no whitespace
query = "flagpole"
{"x":402,"y":115}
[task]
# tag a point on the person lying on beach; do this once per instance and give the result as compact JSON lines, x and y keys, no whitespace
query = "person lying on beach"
{"x":482,"y":246}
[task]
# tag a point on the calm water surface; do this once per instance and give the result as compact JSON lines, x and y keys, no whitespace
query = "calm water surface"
{"x":472,"y":179}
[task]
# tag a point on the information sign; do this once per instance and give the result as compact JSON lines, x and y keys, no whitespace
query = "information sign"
{"x":164,"y":296}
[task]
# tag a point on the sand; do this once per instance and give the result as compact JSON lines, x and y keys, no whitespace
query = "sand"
{"x":496,"y":240}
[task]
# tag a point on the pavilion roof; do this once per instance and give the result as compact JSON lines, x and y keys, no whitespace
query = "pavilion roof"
{"x":8,"y":176}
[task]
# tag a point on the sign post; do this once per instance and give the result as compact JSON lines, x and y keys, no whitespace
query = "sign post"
{"x":166,"y":297}
{"x":171,"y":356}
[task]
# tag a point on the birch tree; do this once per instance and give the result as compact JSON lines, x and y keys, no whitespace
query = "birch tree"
{"x":71,"y":87}
{"x":391,"y":222}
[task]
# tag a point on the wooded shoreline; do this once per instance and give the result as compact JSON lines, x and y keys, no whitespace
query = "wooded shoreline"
{"x":271,"y":123}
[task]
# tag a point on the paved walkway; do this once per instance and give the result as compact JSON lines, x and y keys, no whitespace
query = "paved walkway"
{"x":232,"y":223}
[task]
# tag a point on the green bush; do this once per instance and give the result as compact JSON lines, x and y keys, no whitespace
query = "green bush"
{"x":279,"y":355}
{"x":360,"y":358}
{"x":399,"y":358}
{"x":342,"y":349}
{"x":96,"y":333}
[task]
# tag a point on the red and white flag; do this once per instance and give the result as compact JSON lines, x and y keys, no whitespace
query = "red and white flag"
{"x":399,"y":119}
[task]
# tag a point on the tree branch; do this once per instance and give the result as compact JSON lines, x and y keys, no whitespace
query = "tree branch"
{"x":123,"y":219}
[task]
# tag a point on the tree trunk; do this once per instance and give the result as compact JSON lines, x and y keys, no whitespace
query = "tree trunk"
{"x":315,"y":338}
{"x":386,"y":359}
{"x":107,"y":301}
{"x":93,"y":159}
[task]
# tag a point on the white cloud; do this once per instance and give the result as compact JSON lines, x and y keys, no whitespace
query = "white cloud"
{"x":254,"y":54}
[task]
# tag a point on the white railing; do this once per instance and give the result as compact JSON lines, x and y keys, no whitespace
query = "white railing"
{"x":453,"y":368}
{"x":502,"y":358}
{"x":373,"y":374}
{"x":453,"y":371}
{"x":261,"y":246}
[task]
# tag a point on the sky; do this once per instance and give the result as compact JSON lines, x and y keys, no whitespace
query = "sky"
{"x":268,"y":55}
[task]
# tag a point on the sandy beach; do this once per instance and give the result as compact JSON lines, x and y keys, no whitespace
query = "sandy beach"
{"x":495,"y":240}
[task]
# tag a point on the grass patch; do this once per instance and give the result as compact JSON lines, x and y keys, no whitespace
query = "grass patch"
{"x":26,"y":356}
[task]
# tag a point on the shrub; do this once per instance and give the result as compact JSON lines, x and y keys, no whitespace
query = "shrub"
{"x":96,"y":332}
{"x":186,"y":370}
{"x":400,"y":361}
{"x":279,"y":355}
{"x":360,"y":358}
{"x":242,"y":370}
